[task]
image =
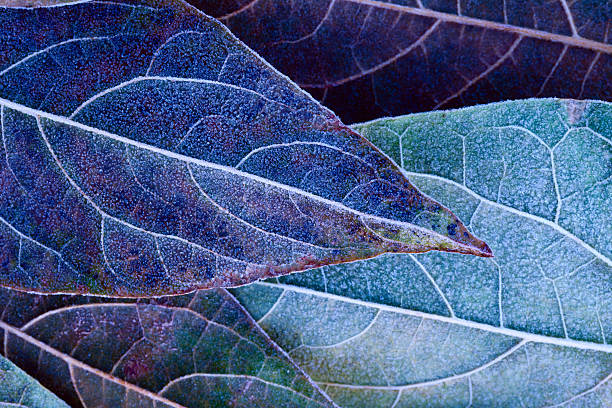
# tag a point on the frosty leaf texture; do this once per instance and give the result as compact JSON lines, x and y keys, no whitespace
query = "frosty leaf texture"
{"x":182,"y":351}
{"x":17,"y":389}
{"x":531,"y":326}
{"x":146,"y":151}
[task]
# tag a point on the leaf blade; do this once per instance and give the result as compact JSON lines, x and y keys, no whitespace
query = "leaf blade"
{"x":118,"y":351}
{"x":184,"y":152}
{"x":18,"y":389}
{"x":540,"y":305}
{"x":402,"y":57}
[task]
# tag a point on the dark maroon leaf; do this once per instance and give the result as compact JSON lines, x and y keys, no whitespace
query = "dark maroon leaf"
{"x":196,"y":350}
{"x":366,"y":58}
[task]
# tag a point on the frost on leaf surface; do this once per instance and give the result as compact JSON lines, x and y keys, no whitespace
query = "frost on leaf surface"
{"x":17,"y":389}
{"x":530,"y":327}
{"x":196,"y":350}
{"x":146,"y":151}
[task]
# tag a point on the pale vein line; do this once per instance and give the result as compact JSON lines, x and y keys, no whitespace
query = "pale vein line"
{"x":567,"y":132}
{"x":280,"y":350}
{"x":314,"y":31}
{"x":272,"y":308}
{"x":302,"y":143}
{"x":124,"y":355}
{"x":556,"y":186}
{"x":435,"y":284}
{"x":472,"y":21}
{"x":470,"y":378}
{"x":499,"y":293}
{"x":104,"y":214}
{"x":537,"y":338}
{"x":552,"y":163}
{"x":238,"y":11}
{"x":348,"y":339}
{"x":245,"y":222}
{"x":137,"y":307}
{"x":512,"y":210}
{"x":116,"y":3}
{"x":13,"y":404}
{"x":483,"y":74}
{"x":582,"y":394}
{"x":383,"y":64}
{"x":400,"y":139}
{"x":469,"y":373}
{"x":397,"y":399}
{"x":236,"y":376}
{"x":586,"y":76}
{"x":46,"y":248}
{"x":161,"y":259}
{"x":171,"y":38}
{"x":463,"y":159}
{"x":363,"y":26}
{"x":224,"y":168}
{"x":553,"y":69}
{"x":191,"y":128}
{"x":570,"y":18}
{"x":357,"y":187}
{"x":575,"y":271}
{"x":6,"y":153}
{"x":601,"y":329}
{"x":75,"y":386}
{"x":560,"y":305}
{"x":137,"y":180}
{"x":171,"y":79}
{"x":504,"y":169}
{"x":59,"y":44}
{"x":599,"y":135}
{"x":71,"y":361}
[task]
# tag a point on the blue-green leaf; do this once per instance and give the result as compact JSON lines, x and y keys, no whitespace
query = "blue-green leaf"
{"x":17,"y":389}
{"x":530,"y":327}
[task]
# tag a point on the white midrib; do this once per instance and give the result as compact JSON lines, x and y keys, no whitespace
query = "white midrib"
{"x":530,"y":337}
{"x":512,"y":210}
{"x":338,"y":206}
{"x":72,"y":362}
{"x":477,"y":22}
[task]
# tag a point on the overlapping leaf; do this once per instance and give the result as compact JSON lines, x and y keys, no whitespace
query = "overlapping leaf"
{"x":197,"y":350}
{"x":531,"y":327}
{"x":146,"y":151}
{"x":17,"y":389}
{"x":370,"y":58}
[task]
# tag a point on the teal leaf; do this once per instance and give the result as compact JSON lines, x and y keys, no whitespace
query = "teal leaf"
{"x":530,"y":327}
{"x":17,"y":389}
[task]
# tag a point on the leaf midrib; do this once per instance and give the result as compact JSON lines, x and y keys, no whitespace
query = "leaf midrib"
{"x":72,"y":362}
{"x":339,"y":206}
{"x":473,"y":21}
{"x":530,"y":337}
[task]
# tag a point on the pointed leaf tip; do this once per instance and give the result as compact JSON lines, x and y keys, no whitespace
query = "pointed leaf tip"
{"x":170,"y":157}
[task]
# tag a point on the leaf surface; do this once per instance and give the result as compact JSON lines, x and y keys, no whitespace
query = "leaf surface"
{"x":19,"y":390}
{"x":531,"y":327}
{"x":195,"y":350}
{"x":366,"y":59}
{"x":146,"y":151}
